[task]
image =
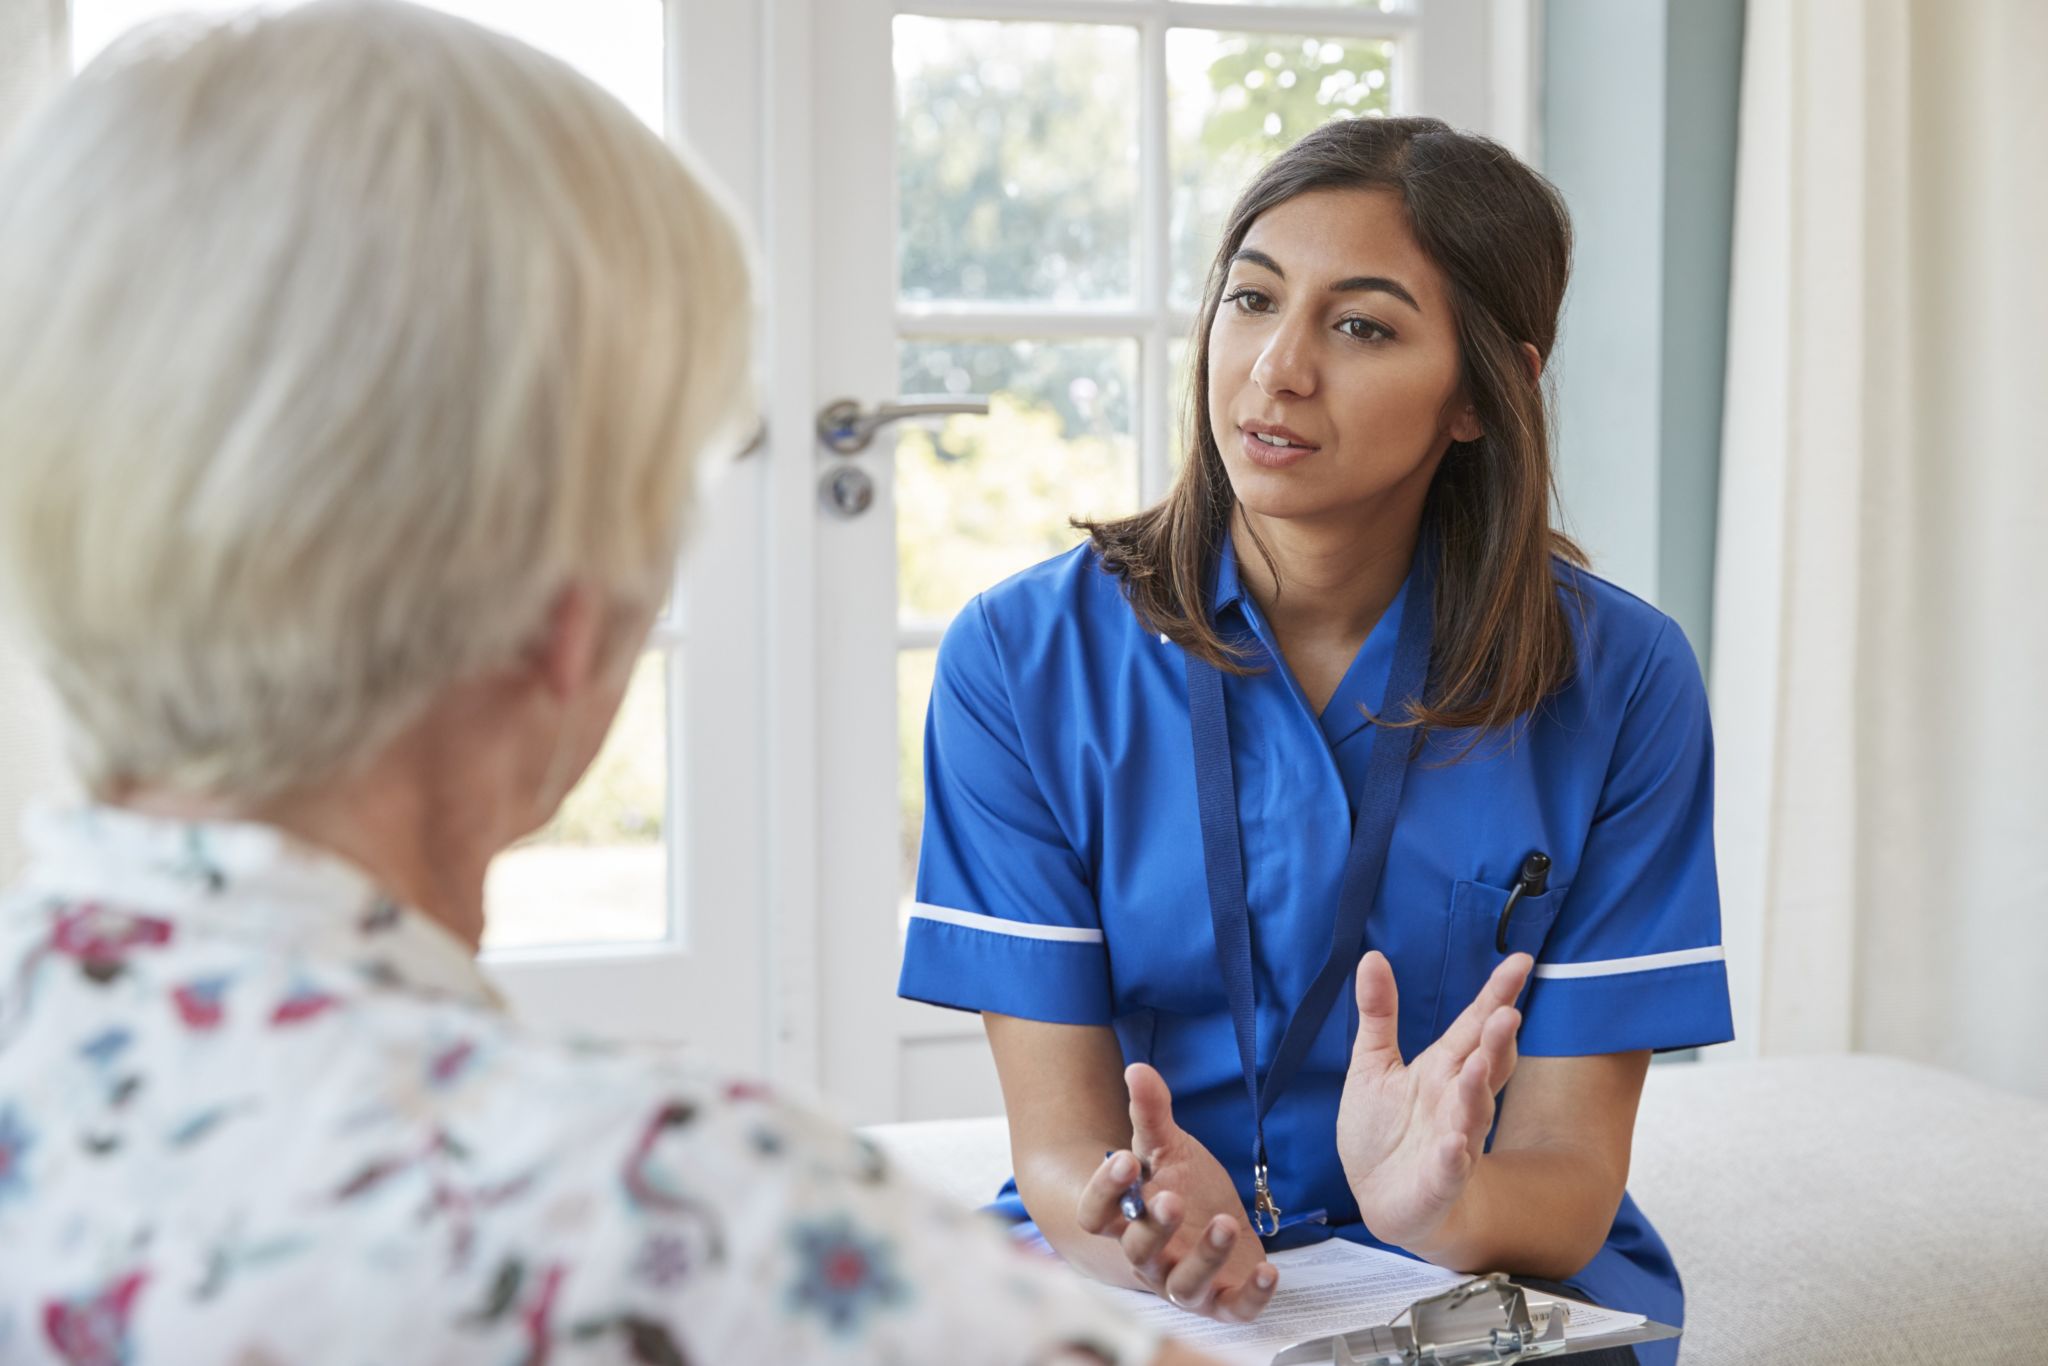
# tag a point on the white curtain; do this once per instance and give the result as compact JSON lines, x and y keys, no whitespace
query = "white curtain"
{"x":1880,"y":670}
{"x":32,"y":61}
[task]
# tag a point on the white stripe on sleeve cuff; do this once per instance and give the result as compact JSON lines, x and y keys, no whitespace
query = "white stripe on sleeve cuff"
{"x":995,"y":924}
{"x":1649,"y":962}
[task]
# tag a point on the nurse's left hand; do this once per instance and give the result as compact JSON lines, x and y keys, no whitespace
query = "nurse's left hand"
{"x":1410,"y":1134}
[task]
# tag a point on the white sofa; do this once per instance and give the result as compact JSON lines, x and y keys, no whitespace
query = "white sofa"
{"x":1822,"y":1210}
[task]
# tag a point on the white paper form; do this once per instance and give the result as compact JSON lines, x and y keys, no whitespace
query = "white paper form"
{"x":1332,"y":1287}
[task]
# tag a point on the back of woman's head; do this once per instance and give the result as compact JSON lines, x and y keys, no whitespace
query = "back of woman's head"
{"x":1501,"y":237}
{"x":334,"y":343}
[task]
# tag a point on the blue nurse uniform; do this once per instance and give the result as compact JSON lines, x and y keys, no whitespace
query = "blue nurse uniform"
{"x":1062,"y":876}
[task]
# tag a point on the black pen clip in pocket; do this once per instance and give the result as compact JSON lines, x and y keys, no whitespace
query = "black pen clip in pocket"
{"x":1488,"y":922}
{"x":1533,"y":881}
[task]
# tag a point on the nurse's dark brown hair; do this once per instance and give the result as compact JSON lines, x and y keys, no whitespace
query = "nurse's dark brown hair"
{"x":1502,"y":238}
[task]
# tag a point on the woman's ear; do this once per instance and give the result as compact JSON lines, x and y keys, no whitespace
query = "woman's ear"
{"x":1465,"y":420}
{"x":568,"y":656}
{"x":1465,"y":423}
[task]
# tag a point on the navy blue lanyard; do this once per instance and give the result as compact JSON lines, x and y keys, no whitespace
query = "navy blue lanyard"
{"x":1371,"y":831}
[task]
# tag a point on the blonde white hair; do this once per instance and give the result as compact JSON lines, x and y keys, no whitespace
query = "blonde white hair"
{"x":334,"y":343}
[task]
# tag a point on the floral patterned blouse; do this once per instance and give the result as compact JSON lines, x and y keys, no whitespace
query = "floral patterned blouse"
{"x":253,"y":1112}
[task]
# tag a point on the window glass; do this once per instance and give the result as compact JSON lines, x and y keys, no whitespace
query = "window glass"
{"x":1017,"y":161}
{"x":979,"y":498}
{"x":1235,"y":100}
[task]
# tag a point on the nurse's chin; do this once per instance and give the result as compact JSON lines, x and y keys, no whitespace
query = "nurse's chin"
{"x":1298,"y":491}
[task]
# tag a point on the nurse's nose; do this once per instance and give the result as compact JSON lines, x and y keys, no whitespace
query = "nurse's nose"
{"x":1286,"y":366}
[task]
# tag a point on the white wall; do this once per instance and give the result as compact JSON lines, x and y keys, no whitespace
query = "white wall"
{"x":1639,"y":109}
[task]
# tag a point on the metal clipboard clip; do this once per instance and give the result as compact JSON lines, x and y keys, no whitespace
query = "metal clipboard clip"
{"x":1483,"y":1322}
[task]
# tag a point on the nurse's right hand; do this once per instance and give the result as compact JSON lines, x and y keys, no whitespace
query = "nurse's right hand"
{"x":1194,"y":1246}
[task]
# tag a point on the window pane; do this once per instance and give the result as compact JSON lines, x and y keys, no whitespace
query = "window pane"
{"x":598,"y":872}
{"x":914,"y":669}
{"x":980,"y":498}
{"x":1017,"y":160}
{"x":617,"y":43}
{"x":1236,"y":99}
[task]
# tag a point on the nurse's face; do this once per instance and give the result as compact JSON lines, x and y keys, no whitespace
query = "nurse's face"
{"x":1335,"y":337}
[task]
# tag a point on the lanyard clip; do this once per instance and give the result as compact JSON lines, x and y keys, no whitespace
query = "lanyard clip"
{"x":1265,"y":1214}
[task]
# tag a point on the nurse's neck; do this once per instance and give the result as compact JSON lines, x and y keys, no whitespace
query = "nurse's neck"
{"x":1328,"y":584}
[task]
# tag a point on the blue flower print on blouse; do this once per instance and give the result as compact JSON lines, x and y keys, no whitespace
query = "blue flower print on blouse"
{"x":842,"y":1276}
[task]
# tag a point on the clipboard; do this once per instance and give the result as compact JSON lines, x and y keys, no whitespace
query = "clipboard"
{"x":1483,"y":1322}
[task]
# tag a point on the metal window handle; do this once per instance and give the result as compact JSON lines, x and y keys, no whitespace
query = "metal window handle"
{"x":849,"y":431}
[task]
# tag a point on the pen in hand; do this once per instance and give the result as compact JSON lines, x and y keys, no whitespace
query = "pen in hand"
{"x":1131,"y":1204}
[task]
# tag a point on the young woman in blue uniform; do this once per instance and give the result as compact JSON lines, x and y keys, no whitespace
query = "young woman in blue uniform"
{"x":1325,"y":843}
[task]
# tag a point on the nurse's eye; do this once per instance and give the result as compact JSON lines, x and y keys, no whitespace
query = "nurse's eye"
{"x":1365,"y":330}
{"x":1248,"y":300}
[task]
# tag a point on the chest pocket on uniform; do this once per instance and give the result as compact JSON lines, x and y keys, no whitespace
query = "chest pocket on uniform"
{"x":1469,"y":952}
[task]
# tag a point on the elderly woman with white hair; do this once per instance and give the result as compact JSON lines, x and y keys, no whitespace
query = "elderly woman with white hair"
{"x":353,"y":365}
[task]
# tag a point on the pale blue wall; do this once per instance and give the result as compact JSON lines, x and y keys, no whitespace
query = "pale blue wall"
{"x":1639,"y":125}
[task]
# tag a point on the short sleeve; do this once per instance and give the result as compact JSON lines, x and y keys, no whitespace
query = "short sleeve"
{"x":1635,"y":959}
{"x":1006,"y":916}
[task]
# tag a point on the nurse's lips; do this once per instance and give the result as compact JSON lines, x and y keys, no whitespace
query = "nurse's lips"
{"x":1266,"y":453}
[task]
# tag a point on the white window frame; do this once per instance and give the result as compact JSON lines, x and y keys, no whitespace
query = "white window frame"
{"x":716,"y":641}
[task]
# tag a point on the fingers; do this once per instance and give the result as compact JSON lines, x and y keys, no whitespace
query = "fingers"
{"x":1379,"y":1014}
{"x":1152,"y":1126}
{"x":1097,"y":1211}
{"x":1471,"y":1100}
{"x":1484,"y":1071}
{"x":1453,"y":1165}
{"x":1465,"y":1108}
{"x":1501,"y":989}
{"x":1191,"y":1284}
{"x":1144,"y":1240}
{"x":1248,"y":1300}
{"x":1185,"y":1274}
{"x":1497,"y":1045}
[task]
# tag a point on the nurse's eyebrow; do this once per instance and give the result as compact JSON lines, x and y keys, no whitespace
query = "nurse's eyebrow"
{"x":1357,"y":284}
